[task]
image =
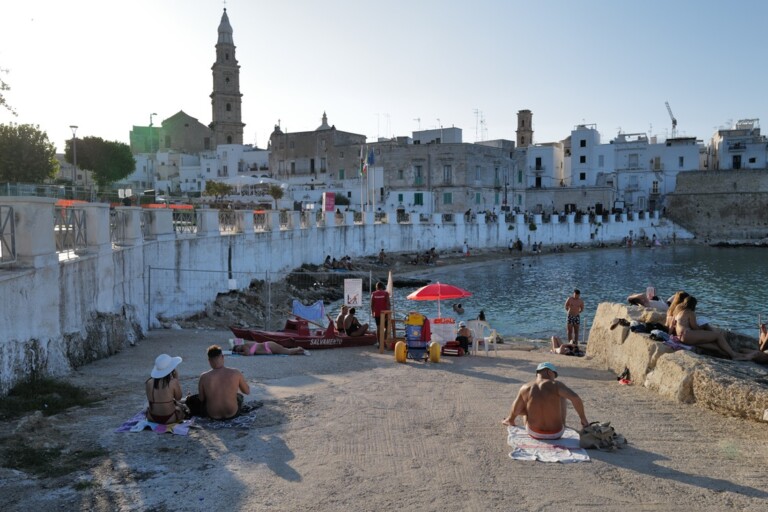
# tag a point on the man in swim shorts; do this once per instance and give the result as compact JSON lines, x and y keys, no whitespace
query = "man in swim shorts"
{"x":574,"y":306}
{"x":543,"y":403}
{"x":220,"y":387}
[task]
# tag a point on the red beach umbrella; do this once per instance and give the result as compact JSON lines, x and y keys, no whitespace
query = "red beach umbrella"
{"x":439,"y":291}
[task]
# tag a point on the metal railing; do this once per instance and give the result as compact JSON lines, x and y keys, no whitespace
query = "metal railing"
{"x":7,"y":235}
{"x":380,"y":217}
{"x":260,"y":221}
{"x":118,"y":220}
{"x":305,"y":219}
{"x":403,"y":218}
{"x":424,"y":218}
{"x":184,"y":221}
{"x":227,"y":221}
{"x":70,"y":229}
{"x":285,"y":220}
{"x":146,"y":225}
{"x":448,"y":218}
{"x":358,"y":217}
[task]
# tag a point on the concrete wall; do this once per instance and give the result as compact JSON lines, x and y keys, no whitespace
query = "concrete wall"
{"x":59,"y":310}
{"x":722,"y":205}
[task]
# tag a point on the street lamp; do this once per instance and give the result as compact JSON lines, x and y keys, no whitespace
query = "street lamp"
{"x":74,"y":155}
{"x":151,"y":151}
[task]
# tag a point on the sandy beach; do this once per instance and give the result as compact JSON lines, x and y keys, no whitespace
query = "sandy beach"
{"x":350,"y":429}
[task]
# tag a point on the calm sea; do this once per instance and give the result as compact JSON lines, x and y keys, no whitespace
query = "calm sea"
{"x":525,"y":297}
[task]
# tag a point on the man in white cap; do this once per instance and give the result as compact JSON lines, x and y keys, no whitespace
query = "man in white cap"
{"x":543,"y":403}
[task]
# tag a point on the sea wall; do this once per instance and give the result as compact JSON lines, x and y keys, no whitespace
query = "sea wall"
{"x":80,"y":290}
{"x":732,"y":388}
{"x":721,"y":205}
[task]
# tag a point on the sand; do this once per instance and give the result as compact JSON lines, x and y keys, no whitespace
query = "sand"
{"x":351,"y":429}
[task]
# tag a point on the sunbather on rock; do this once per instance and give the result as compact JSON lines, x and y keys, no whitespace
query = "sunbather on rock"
{"x":691,"y":334}
{"x":543,"y":403}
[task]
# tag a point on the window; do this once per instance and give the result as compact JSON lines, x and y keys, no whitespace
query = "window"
{"x":229,"y":139}
{"x":229,"y":107}
{"x":519,"y":176}
{"x":496,"y":198}
{"x":226,"y":80}
{"x":601,"y":161}
{"x":522,"y":123}
{"x":418,"y":199}
{"x":752,"y":160}
{"x":207,"y":143}
{"x":349,"y":194}
{"x":322,"y":164}
{"x":477,"y":197}
{"x":226,"y":55}
{"x":522,"y":141}
{"x":477,"y":173}
{"x":582,"y":159}
{"x":341,"y":154}
{"x":655,"y":187}
{"x":293,"y":167}
{"x":400,"y":174}
{"x":447,"y":175}
{"x":291,"y":145}
{"x":341,"y":174}
{"x":681,"y":162}
{"x":418,"y":180}
{"x":582,"y":176}
{"x":399,"y":198}
{"x":447,"y":198}
{"x":281,"y":166}
{"x":633,"y":161}
{"x":583,"y":143}
{"x":538,"y":163}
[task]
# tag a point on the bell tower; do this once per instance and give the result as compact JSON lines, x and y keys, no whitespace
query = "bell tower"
{"x":524,"y":128}
{"x":226,"y":100}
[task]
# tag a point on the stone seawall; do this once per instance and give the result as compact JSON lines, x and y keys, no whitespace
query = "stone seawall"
{"x":721,"y":205}
{"x":732,"y":388}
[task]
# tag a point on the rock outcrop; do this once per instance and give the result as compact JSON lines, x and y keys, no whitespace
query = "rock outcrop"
{"x":729,"y":387}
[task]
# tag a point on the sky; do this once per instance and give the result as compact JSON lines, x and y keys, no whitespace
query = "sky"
{"x":387,"y":69}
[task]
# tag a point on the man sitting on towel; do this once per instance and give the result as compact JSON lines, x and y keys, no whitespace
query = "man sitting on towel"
{"x":542,"y":402}
{"x":219,"y":386}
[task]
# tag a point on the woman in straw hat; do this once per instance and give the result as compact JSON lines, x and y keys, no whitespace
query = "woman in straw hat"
{"x":164,"y":391}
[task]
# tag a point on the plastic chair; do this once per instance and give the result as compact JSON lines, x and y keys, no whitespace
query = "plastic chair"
{"x":479,"y":329}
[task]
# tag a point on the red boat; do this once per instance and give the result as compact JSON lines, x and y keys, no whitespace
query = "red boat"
{"x":297,"y":333}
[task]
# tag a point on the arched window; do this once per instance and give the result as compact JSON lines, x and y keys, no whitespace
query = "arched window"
{"x":229,"y":139}
{"x":229,"y":107}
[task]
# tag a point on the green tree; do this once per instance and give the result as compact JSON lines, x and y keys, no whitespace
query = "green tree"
{"x":26,"y":154}
{"x":276,"y":191}
{"x":109,"y":161}
{"x":217,"y":190}
{"x":341,"y":199}
{"x":5,"y":87}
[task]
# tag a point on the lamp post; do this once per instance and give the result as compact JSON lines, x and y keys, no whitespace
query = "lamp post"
{"x":151,"y":150}
{"x":73,"y":127}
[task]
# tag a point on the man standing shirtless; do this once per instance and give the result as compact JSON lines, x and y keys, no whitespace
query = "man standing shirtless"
{"x":219,"y":386}
{"x":574,"y":306}
{"x":543,"y":403}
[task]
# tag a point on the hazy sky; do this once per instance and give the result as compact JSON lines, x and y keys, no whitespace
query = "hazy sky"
{"x":376,"y":67}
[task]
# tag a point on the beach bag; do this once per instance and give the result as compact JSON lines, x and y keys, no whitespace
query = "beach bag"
{"x":452,"y":348}
{"x":600,"y":436}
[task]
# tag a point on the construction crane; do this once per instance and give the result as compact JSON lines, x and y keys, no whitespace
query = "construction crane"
{"x":674,"y":121}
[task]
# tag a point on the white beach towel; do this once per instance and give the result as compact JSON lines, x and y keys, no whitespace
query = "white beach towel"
{"x":565,"y":450}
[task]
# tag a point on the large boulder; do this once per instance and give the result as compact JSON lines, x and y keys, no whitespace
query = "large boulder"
{"x":730,"y":387}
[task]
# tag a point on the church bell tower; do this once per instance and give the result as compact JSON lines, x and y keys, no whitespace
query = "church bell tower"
{"x":226,"y":100}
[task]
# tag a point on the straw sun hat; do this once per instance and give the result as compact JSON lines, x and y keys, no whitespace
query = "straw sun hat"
{"x":164,"y":365}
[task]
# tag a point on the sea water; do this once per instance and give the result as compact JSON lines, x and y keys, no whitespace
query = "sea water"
{"x":525,"y":296}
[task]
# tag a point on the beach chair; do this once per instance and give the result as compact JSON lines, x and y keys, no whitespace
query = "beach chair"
{"x":483,"y":333}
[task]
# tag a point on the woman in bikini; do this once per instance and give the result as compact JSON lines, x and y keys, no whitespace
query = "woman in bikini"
{"x":691,"y":334}
{"x":255,"y":348}
{"x":677,"y":298}
{"x":164,"y":392}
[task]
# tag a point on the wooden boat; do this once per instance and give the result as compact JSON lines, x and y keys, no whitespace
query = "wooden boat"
{"x":297,"y":333}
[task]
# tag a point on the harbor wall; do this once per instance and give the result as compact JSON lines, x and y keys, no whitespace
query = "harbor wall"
{"x":62,"y":307}
{"x":721,"y":205}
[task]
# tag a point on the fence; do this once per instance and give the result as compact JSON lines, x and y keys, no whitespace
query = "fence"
{"x":70,"y":229}
{"x":7,"y":235}
{"x":225,"y":298}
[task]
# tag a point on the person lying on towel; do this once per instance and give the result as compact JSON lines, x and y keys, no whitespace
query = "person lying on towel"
{"x":542,"y":402}
{"x":254,"y":348}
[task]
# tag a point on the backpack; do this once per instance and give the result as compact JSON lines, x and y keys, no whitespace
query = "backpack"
{"x":601,"y":436}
